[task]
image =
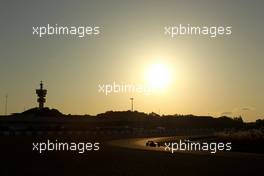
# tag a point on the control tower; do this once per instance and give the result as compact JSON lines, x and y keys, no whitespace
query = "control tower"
{"x":41,"y":95}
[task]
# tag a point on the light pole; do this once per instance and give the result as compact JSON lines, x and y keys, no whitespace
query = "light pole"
{"x":132,"y":104}
{"x":6,"y":97}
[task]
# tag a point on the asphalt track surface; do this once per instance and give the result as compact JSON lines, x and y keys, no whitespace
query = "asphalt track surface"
{"x":124,"y":157}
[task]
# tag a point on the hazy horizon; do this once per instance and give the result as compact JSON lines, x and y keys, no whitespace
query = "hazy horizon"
{"x":221,"y":76}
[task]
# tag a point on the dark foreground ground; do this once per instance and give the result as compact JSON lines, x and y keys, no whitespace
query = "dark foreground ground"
{"x":17,"y":158}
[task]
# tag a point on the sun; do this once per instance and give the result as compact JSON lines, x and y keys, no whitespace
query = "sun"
{"x":158,"y":76}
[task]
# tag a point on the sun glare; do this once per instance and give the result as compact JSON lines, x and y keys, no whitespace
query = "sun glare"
{"x":158,"y":76}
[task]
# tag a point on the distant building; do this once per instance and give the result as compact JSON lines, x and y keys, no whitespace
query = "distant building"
{"x":41,"y":93}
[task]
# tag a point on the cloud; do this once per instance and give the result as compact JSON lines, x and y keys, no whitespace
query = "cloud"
{"x":243,"y":109}
{"x":238,"y":110}
{"x":248,"y":109}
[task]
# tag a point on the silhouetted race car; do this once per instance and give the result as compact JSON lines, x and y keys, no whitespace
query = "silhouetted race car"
{"x":152,"y":144}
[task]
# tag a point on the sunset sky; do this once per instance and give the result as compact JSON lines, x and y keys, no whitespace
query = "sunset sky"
{"x":219,"y":76}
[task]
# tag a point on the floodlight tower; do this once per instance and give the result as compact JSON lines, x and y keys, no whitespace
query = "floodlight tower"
{"x":6,"y":99}
{"x":132,"y":104}
{"x":41,"y":93}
